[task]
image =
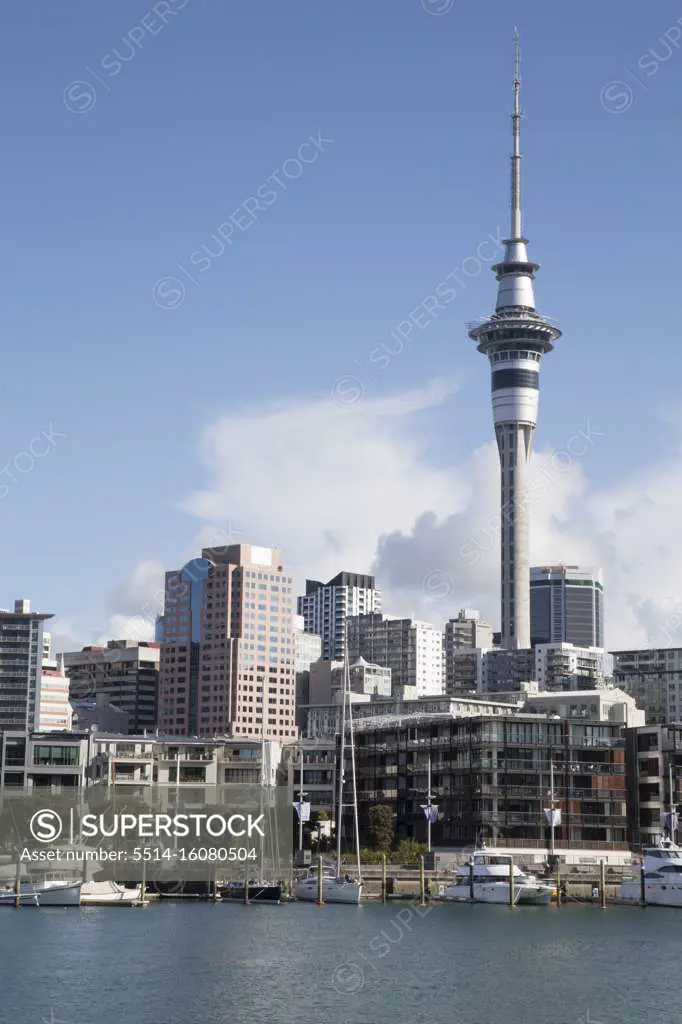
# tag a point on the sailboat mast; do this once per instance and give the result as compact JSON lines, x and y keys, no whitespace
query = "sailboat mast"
{"x":342,"y":760}
{"x":672,"y":800}
{"x":356,"y":826}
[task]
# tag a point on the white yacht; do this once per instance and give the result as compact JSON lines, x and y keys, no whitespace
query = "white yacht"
{"x":97,"y":894}
{"x":335,"y":889}
{"x":54,"y":892}
{"x":662,"y":877}
{"x":491,"y":882}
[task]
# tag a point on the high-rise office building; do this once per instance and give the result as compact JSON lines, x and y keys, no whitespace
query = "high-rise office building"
{"x":326,"y":606}
{"x":125,"y":672}
{"x":412,"y":650}
{"x":566,"y":605}
{"x":21,"y":665}
{"x":178,"y":632}
{"x":246,"y":670}
{"x":515,"y":338}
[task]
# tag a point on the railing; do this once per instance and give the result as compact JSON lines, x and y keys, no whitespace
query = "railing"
{"x":572,"y":844}
{"x":131,"y":757}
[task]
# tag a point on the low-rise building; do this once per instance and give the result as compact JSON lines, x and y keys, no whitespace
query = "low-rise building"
{"x":53,"y":763}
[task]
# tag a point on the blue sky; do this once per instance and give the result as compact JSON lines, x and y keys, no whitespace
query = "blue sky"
{"x":107,"y":186}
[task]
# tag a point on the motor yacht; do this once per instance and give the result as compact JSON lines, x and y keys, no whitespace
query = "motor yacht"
{"x":662,"y":877}
{"x":491,"y":882}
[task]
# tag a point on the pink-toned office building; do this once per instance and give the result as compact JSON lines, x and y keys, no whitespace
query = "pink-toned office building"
{"x":227,"y":661}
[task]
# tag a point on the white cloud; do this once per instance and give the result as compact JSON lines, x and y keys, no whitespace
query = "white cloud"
{"x":135,"y":603}
{"x":354,"y":488}
{"x":322,"y":481}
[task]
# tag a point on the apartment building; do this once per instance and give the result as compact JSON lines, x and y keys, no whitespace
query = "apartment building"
{"x":561,"y":666}
{"x":326,"y":606}
{"x":412,"y":650}
{"x":491,"y":778}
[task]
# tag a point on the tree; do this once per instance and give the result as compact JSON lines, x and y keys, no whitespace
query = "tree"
{"x":408,"y":851}
{"x":381,"y":829}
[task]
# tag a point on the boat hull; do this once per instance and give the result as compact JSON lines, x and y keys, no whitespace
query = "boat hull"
{"x":333,"y":891}
{"x":498,"y":892}
{"x":256,"y":893}
{"x":9,"y":899}
{"x":655,"y":895}
{"x":96,"y":894}
{"x":66,"y":894}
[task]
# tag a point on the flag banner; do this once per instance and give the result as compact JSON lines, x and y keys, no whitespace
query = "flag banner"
{"x":553,"y":817}
{"x":431,"y":813}
{"x":302,"y":810}
{"x":671,"y":821}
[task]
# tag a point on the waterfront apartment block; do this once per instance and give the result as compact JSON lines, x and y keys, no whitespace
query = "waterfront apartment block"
{"x":491,"y":777}
{"x":22,"y":646}
{"x":35,"y":762}
{"x":319,"y":757}
{"x":566,"y":605}
{"x":125,"y":673}
{"x":654,"y":678}
{"x":326,"y":606}
{"x":654,"y":758}
{"x":171,"y":761}
{"x":245,"y":680}
{"x":412,"y":650}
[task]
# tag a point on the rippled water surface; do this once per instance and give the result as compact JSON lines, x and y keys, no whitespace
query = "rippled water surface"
{"x":229,"y":964}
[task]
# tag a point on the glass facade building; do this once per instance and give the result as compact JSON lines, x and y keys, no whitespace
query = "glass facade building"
{"x":566,"y":605}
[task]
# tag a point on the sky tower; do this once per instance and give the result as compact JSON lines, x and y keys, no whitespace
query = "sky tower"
{"x":514,"y":338}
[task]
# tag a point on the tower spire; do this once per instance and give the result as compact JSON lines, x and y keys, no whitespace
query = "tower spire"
{"x":516,"y":230}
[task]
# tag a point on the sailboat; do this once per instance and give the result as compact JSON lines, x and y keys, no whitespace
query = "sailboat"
{"x":337,"y":887}
{"x":257,"y":890}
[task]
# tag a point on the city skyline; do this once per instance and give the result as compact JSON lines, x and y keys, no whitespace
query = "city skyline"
{"x":329,"y":283}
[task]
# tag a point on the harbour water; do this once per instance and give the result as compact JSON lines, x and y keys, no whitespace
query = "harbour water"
{"x":300,"y":964}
